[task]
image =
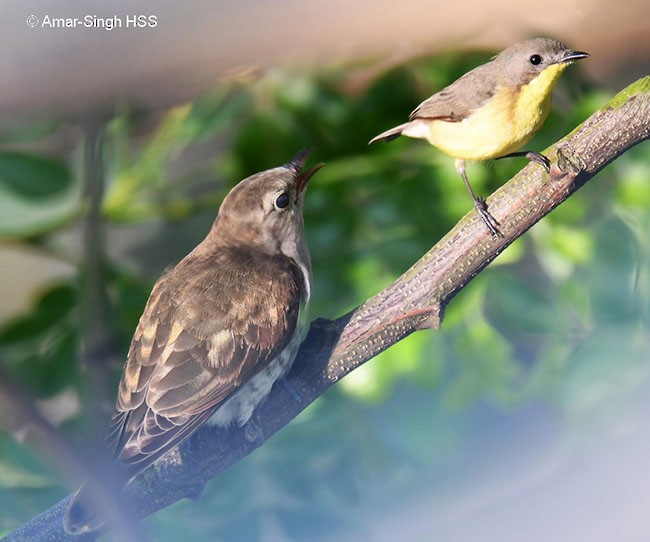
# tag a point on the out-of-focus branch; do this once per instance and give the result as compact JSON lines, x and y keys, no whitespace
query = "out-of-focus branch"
{"x":96,"y":352}
{"x":415,"y":301}
{"x":22,"y":419}
{"x":95,"y":321}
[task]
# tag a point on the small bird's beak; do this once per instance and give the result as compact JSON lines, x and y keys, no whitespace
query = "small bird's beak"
{"x":572,"y":56}
{"x":297,"y":163}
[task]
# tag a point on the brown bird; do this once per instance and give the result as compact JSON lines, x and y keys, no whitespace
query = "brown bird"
{"x":217,"y":331}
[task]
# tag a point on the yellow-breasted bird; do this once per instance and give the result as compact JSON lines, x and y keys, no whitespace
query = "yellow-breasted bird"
{"x":217,"y":331}
{"x":492,"y":110}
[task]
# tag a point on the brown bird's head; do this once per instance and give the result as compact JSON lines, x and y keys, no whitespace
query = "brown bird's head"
{"x":264,"y":212}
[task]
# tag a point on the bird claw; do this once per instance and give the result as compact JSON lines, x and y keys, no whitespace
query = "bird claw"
{"x":539,"y":159}
{"x":490,"y":222}
{"x":531,"y":157}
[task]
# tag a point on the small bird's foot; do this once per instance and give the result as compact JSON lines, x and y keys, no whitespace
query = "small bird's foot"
{"x":479,"y":203}
{"x":539,"y":159}
{"x":489,"y":221}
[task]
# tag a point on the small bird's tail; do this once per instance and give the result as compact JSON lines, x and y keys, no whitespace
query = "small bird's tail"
{"x":83,"y":514}
{"x":391,"y":134}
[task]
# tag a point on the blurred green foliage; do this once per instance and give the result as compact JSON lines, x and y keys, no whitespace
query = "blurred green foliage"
{"x":565,"y":306}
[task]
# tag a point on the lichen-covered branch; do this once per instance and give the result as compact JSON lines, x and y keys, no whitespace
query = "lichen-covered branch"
{"x":415,"y":301}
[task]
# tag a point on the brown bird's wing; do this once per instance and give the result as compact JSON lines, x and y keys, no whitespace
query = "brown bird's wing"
{"x":209,"y":325}
{"x":457,"y":101}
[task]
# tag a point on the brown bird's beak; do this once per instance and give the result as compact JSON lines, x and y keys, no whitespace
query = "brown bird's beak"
{"x":572,"y":56}
{"x":299,"y":160}
{"x":304,"y":176}
{"x":297,"y":163}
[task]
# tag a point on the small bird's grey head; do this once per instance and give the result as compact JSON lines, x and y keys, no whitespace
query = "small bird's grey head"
{"x":264,"y":211}
{"x":523,"y":61}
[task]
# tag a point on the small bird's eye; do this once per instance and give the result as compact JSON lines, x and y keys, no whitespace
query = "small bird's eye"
{"x":282,"y":200}
{"x":535,"y":60}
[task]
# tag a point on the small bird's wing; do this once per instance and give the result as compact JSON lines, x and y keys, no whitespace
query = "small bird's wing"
{"x":207,"y":328}
{"x":457,"y":101}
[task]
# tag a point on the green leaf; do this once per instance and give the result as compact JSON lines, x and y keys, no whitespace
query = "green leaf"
{"x":13,"y":476}
{"x":49,"y":310}
{"x":23,"y":328}
{"x":28,"y":218}
{"x":31,"y":176}
{"x":40,"y":347}
{"x":58,"y":301}
{"x":213,"y":113}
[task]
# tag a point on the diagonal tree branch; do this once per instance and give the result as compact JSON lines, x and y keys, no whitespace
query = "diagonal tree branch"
{"x":415,"y":301}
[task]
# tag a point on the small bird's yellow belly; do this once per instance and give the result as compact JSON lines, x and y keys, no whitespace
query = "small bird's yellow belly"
{"x":501,"y":126}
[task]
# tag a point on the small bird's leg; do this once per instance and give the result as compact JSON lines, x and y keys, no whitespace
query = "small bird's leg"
{"x":479,"y":203}
{"x":532,"y":157}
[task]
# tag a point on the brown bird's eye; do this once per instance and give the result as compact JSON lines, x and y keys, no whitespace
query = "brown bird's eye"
{"x":535,"y":60}
{"x":282,"y":200}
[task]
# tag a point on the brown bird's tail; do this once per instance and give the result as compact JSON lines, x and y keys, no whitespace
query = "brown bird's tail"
{"x":391,"y":134}
{"x":83,"y":514}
